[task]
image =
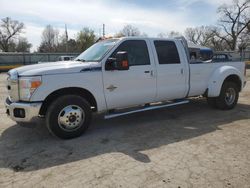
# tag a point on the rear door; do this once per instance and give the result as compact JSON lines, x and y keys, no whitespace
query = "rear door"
{"x":172,"y":70}
{"x":134,"y":86}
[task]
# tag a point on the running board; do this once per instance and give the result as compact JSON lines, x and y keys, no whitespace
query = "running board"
{"x":113,"y":115}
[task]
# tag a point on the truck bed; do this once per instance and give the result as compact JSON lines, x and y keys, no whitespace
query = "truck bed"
{"x":201,"y":73}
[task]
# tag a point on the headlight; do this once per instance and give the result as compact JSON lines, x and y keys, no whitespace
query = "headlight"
{"x":13,"y":75}
{"x":27,"y":86}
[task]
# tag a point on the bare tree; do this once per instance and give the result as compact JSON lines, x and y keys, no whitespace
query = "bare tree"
{"x":206,"y":36}
{"x":234,"y":21}
{"x":129,"y":30}
{"x":9,"y":30}
{"x":201,"y":35}
{"x":22,"y":45}
{"x":194,"y":34}
{"x":19,"y":45}
{"x":49,"y":39}
{"x":162,"y":35}
{"x":173,"y":34}
{"x":244,"y":39}
{"x":85,"y":38}
{"x":170,"y":34}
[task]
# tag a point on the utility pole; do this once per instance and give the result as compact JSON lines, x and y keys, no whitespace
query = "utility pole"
{"x":66,"y":36}
{"x":103,"y":30}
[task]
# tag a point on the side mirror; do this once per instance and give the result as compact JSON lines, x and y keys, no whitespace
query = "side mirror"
{"x":120,"y":62}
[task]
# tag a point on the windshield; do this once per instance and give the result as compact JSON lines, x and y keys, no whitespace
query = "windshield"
{"x":97,"y":51}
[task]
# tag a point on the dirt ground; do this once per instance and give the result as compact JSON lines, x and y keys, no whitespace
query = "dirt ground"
{"x":185,"y":146}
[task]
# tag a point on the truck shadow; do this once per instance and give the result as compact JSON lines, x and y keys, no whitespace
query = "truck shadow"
{"x":33,"y":148}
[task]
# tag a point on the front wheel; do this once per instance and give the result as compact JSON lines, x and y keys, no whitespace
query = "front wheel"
{"x":228,"y":97}
{"x":68,"y":116}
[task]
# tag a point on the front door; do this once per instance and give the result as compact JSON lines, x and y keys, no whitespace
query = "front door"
{"x":135,"y":86}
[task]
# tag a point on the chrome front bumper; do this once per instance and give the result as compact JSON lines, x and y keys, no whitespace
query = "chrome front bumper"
{"x":21,"y":111}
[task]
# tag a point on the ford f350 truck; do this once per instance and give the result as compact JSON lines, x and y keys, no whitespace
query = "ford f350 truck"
{"x":118,"y":77}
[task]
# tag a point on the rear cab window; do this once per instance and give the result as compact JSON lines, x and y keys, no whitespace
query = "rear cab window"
{"x":167,"y":52}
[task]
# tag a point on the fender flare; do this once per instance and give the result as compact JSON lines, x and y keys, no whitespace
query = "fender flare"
{"x":218,"y":77}
{"x":66,"y":91}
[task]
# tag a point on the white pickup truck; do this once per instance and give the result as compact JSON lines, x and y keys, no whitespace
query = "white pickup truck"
{"x":118,"y":77}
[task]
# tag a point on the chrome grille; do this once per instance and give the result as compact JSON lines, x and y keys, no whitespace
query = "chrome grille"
{"x":12,"y":85}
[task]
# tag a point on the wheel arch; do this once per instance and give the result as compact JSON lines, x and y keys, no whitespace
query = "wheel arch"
{"x":234,"y":78}
{"x":222,"y":75}
{"x":68,"y":91}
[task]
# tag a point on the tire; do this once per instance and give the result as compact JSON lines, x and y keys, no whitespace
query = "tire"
{"x":68,"y":116}
{"x":228,"y":97}
{"x":211,"y":101}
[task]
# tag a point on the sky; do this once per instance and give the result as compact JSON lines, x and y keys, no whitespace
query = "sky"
{"x":151,"y":17}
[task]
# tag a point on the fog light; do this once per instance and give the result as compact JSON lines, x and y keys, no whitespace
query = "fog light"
{"x":19,"y":112}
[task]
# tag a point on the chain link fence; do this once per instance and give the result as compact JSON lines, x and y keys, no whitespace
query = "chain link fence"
{"x":237,"y":56}
{"x":18,"y":59}
{"x":10,"y":60}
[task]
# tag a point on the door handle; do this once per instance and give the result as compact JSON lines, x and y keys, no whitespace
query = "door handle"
{"x":149,"y":72}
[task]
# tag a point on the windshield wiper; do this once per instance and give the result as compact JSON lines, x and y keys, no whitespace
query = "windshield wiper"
{"x":82,"y":60}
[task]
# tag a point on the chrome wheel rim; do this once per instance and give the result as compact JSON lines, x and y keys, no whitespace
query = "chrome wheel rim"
{"x":230,"y":96}
{"x":71,"y":118}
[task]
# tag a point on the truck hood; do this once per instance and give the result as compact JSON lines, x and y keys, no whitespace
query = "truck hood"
{"x":61,"y":67}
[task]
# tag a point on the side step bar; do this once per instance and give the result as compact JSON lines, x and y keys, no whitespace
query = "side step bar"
{"x":113,"y":115}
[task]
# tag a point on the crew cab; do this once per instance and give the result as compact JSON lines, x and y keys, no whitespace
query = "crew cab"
{"x":118,"y":77}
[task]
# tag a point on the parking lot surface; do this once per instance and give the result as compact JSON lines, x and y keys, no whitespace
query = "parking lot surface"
{"x":186,"y":146}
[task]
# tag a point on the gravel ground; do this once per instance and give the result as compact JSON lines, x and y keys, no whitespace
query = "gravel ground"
{"x":185,"y":146}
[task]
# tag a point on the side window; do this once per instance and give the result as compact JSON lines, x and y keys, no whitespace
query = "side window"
{"x":167,"y":52}
{"x":137,"y":52}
